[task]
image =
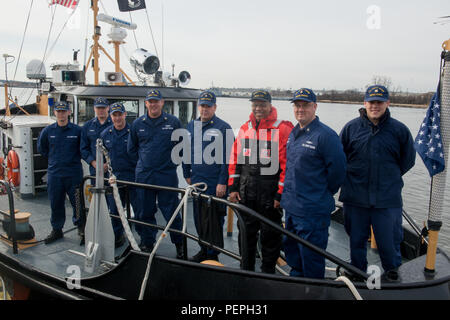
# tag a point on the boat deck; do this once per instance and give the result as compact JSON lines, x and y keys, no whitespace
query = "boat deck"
{"x":55,"y":258}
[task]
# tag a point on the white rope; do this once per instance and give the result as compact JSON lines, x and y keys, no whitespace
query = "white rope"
{"x":4,"y":288}
{"x":182,"y":203}
{"x":351,"y":286}
{"x":152,"y":254}
{"x":200,"y":186}
{"x":123,"y":217}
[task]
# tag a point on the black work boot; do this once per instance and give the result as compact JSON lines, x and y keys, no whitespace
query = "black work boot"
{"x":81,"y":234}
{"x":148,"y":248}
{"x":180,"y":251}
{"x":213,"y":257}
{"x":199,"y":256}
{"x":53,"y":236}
{"x":119,"y":241}
{"x":391,"y":276}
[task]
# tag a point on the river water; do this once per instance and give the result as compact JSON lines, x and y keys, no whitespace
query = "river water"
{"x":416,"y":193}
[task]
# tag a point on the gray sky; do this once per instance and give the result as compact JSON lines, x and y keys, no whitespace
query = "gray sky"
{"x":255,"y":43}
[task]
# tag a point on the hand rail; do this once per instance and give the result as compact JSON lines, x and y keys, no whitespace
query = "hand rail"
{"x":241,"y":208}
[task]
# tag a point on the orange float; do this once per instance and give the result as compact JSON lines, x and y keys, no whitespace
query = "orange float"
{"x":12,"y":161}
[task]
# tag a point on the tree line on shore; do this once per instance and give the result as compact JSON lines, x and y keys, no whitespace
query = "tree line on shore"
{"x":395,"y":97}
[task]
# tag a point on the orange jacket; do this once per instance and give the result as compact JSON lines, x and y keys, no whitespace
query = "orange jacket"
{"x":269,"y":130}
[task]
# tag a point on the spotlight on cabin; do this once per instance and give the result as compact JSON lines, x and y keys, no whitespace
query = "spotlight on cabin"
{"x":184,"y":78}
{"x":144,"y":61}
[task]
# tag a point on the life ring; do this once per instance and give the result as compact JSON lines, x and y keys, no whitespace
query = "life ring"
{"x":13,"y":168}
{"x":2,"y":169}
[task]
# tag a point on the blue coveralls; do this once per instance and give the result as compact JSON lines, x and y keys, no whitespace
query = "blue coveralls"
{"x":150,"y":142}
{"x":377,"y":158}
{"x":212,"y":174}
{"x":123,"y":167}
{"x":61,"y":145}
{"x":315,"y":170}
{"x":90,"y":132}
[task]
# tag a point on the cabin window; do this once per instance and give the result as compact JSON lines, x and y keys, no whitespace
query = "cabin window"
{"x":168,"y":107}
{"x":187,"y":111}
{"x":131,"y":107}
{"x":86,"y":109}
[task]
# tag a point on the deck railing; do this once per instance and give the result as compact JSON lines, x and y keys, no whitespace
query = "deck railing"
{"x":238,"y":209}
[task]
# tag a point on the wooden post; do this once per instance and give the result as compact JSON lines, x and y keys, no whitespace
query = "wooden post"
{"x":373,"y":244}
{"x":431,"y":251}
{"x":117,"y":58}
{"x":8,"y":112}
{"x":42,"y":105}
{"x":230,"y":215}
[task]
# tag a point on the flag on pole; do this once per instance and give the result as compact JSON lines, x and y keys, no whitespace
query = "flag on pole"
{"x":131,"y":5}
{"x":71,"y":4}
{"x":428,"y":142}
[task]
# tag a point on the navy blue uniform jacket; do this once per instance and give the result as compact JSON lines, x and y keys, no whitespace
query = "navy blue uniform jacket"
{"x":91,"y":131}
{"x":215,"y":173}
{"x":61,"y":145}
{"x":315,"y":170}
{"x":116,"y":142}
{"x":377,"y":158}
{"x":150,"y":142}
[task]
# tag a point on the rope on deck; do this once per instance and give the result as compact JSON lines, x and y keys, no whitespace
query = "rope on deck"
{"x":351,"y":286}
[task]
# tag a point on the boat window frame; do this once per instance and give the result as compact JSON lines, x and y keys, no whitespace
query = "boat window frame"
{"x":193,"y":114}
{"x":130,"y":116}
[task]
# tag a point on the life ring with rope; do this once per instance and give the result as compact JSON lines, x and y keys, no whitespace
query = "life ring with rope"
{"x":12,"y":161}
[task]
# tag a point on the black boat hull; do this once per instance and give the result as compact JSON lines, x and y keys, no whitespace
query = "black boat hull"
{"x":172,"y":279}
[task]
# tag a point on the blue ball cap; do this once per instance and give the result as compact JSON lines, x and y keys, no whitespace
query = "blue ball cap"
{"x":101,"y":102}
{"x":261,"y":95}
{"x":116,"y":107}
{"x":61,"y":106}
{"x":304,"y":94}
{"x":153,"y":95}
{"x":207,"y":97}
{"x":376,"y":93}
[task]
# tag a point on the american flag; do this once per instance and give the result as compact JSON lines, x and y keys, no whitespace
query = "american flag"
{"x":428,"y":142}
{"x":72,"y":4}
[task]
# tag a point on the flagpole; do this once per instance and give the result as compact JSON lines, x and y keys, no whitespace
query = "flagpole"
{"x":438,"y":181}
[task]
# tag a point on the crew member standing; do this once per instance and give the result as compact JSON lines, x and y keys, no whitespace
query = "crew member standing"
{"x":210,"y":129}
{"x":60,"y":143}
{"x":150,"y":142}
{"x":380,"y":150}
{"x":115,"y":140}
{"x":256,"y":179}
{"x":315,"y":170}
{"x":91,"y":132}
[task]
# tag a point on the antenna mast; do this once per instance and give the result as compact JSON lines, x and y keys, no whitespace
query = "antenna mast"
{"x":96,"y":37}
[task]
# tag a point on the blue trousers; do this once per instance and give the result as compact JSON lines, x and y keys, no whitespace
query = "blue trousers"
{"x":303,"y":261}
{"x":116,"y":223}
{"x":167,"y":203}
{"x":58,"y":188}
{"x":387,"y":228}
